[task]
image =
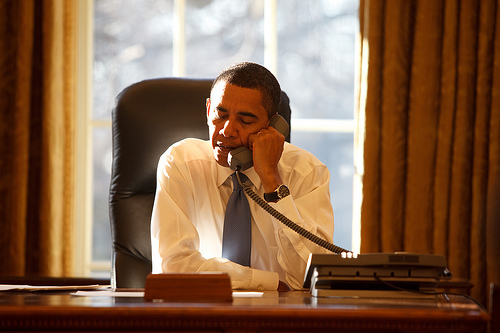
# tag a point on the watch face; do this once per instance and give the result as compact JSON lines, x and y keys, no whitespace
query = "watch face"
{"x":283,"y":191}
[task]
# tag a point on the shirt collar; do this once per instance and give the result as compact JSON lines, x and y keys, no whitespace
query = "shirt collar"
{"x":223,"y":173}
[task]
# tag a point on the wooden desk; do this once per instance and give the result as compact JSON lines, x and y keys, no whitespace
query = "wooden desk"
{"x":289,"y":311}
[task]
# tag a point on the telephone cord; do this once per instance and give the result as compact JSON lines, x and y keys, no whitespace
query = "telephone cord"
{"x":289,"y":223}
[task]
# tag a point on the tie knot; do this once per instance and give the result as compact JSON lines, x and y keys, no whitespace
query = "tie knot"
{"x":236,"y":184}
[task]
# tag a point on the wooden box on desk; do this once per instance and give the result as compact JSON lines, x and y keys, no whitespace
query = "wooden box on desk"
{"x":182,"y":287}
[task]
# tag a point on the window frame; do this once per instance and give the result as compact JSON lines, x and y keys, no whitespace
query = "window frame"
{"x":83,"y":165}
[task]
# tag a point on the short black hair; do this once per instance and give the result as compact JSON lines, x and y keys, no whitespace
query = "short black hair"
{"x":254,"y":76}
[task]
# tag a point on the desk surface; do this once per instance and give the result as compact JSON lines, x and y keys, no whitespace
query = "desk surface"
{"x":273,"y":311}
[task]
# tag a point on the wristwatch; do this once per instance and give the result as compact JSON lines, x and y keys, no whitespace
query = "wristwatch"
{"x":280,"y":192}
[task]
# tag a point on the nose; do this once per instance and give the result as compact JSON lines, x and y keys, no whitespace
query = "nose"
{"x":229,"y":129}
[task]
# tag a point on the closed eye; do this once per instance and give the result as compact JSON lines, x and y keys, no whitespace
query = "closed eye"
{"x":221,"y":113}
{"x":247,"y":117}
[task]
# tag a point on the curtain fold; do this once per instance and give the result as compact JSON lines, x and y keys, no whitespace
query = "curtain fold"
{"x":37,"y":112}
{"x":430,"y":152}
{"x":493,"y":185}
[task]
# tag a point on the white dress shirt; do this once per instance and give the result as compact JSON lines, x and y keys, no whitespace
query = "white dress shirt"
{"x":188,"y":216}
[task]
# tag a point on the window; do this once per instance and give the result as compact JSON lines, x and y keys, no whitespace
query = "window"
{"x":309,"y":45}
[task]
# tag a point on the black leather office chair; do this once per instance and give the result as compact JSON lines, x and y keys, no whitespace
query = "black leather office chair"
{"x":148,"y":117}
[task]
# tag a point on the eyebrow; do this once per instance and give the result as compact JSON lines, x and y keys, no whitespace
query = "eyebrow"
{"x":241,"y":113}
{"x":247,"y":114}
{"x":220,"y":108}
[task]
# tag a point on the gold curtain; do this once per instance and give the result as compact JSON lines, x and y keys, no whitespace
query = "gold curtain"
{"x":37,"y":111}
{"x":429,"y":110}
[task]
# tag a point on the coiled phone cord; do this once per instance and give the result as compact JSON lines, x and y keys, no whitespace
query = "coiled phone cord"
{"x":289,"y":223}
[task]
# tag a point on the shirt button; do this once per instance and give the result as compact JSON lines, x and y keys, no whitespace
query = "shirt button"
{"x":299,"y":247}
{"x":259,"y":288}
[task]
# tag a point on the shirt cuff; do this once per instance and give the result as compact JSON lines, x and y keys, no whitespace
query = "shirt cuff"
{"x":264,"y":280}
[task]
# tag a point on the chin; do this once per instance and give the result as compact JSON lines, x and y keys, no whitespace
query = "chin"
{"x":222,"y":160}
{"x":223,"y":163}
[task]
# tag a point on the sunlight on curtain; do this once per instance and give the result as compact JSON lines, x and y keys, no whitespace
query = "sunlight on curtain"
{"x":37,"y":113}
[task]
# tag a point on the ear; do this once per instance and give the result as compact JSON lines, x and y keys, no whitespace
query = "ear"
{"x":208,"y":107}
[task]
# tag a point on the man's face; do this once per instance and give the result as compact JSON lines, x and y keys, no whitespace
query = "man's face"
{"x":233,"y":113}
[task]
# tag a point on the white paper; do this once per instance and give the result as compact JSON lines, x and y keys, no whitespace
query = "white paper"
{"x":25,"y":287}
{"x":111,"y":293}
{"x":247,"y":293}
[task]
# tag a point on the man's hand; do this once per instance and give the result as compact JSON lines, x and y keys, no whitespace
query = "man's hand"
{"x":282,"y":286}
{"x":267,"y":147}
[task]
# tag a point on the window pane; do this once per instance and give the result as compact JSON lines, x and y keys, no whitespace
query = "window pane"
{"x":222,"y":32}
{"x":335,"y":150}
{"x":316,"y":70}
{"x":132,"y":42}
{"x":102,"y":154}
{"x":316,"y":56}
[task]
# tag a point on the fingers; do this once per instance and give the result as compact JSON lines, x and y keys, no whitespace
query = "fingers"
{"x":267,"y":136}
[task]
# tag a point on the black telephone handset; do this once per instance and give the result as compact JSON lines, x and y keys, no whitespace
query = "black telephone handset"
{"x":242,"y":157}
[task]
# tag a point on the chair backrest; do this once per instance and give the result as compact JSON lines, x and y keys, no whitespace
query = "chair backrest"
{"x":148,"y":117}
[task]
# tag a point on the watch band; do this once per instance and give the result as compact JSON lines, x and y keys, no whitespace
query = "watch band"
{"x":280,"y":192}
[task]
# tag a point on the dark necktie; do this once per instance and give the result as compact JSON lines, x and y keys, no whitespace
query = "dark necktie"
{"x":237,"y":236}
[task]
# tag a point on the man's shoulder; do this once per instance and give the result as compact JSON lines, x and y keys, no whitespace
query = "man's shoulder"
{"x":191,"y":143}
{"x":297,"y":161}
{"x":188,"y":149}
{"x":293,"y":154}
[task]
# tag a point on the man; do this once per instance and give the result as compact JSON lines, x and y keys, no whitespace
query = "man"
{"x":194,"y":184}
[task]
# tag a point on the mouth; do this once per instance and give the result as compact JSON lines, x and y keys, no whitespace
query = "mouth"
{"x":224,"y":147}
